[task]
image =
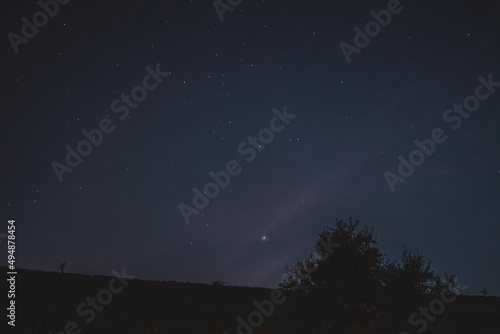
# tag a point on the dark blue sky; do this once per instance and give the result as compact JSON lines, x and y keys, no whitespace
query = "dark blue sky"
{"x":119,"y":207}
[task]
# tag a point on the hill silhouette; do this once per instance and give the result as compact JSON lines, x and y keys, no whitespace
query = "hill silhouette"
{"x":47,"y":302}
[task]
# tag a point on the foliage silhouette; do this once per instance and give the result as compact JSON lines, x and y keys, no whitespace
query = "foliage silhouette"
{"x":356,"y":288}
{"x":62,"y":265}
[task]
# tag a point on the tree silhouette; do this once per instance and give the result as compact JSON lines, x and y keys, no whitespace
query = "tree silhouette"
{"x":355,"y":288}
{"x":61,"y":267}
{"x":344,"y":285}
{"x":409,"y":282}
{"x":484,"y":292}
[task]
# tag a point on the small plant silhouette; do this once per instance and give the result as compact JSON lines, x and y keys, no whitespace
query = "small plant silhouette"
{"x":61,"y":266}
{"x":484,"y":292}
{"x":219,"y":283}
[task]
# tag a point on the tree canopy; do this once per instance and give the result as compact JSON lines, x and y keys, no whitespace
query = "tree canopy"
{"x":357,"y":284}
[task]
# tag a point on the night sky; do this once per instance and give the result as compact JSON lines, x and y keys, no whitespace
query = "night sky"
{"x":218,"y":84}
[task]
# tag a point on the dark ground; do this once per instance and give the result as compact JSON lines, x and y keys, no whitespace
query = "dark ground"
{"x":47,"y":301}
